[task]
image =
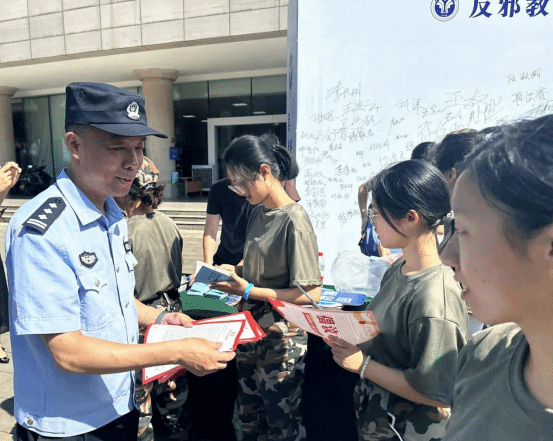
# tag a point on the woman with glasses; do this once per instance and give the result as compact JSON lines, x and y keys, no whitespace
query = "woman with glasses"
{"x":502,"y":253}
{"x":281,"y":248}
{"x":407,"y":371}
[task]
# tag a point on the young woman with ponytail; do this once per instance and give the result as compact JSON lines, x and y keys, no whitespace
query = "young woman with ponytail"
{"x":281,"y":248}
{"x":407,"y":371}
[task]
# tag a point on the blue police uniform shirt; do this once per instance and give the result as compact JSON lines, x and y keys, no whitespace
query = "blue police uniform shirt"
{"x":68,"y":271}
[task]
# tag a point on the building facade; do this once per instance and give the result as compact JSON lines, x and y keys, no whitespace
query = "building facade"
{"x":209,"y":70}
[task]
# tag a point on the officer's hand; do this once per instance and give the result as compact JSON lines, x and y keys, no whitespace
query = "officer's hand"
{"x":177,"y":318}
{"x":202,"y":357}
{"x":237,"y":286}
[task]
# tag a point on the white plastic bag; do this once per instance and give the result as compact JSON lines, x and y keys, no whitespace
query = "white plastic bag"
{"x":353,"y":271}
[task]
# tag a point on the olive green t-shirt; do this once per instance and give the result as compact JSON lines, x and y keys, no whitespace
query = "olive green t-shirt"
{"x":156,"y":243}
{"x":423,"y":325}
{"x":491,"y":399}
{"x":281,"y":248}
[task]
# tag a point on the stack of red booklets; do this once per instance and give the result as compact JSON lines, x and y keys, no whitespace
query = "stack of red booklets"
{"x":231,"y":330}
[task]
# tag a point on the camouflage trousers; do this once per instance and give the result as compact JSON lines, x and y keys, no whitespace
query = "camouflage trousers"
{"x":270,"y":376}
{"x":382,"y":415}
{"x":168,"y":399}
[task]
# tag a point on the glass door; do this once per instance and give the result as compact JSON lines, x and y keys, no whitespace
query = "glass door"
{"x":221,"y":131}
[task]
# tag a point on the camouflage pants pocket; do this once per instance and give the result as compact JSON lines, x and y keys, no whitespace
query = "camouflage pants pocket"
{"x":384,"y":416}
{"x":370,"y":403}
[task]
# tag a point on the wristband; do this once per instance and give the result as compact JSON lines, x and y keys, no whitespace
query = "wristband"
{"x":246,"y":294}
{"x":365,"y":364}
{"x":160,"y":316}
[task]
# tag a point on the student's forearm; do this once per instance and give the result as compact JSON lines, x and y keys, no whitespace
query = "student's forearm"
{"x":209,"y":248}
{"x":394,"y":380}
{"x":211,"y":228}
{"x":290,"y":295}
{"x":362,"y":199}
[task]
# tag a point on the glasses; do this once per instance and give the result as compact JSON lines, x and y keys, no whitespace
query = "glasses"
{"x":372,"y":216}
{"x":448,"y":221}
{"x":238,"y":189}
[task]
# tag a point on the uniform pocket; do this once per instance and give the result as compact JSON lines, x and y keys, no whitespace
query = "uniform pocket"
{"x":95,"y":302}
{"x":131,"y":263}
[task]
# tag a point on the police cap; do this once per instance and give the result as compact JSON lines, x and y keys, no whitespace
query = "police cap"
{"x":107,"y":108}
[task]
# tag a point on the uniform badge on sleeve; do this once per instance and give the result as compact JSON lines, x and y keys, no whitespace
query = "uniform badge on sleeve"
{"x":88,"y":259}
{"x":46,"y":214}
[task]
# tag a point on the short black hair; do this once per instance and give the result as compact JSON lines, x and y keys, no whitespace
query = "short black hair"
{"x":411,"y":185}
{"x":455,"y":146}
{"x":421,"y":150}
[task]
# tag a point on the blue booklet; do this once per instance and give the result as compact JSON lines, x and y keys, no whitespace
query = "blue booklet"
{"x":198,"y":289}
{"x":202,"y":289}
{"x":209,"y":274}
{"x":343,"y":297}
{"x":216,"y":294}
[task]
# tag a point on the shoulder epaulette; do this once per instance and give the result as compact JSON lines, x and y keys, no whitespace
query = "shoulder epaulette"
{"x":46,"y":214}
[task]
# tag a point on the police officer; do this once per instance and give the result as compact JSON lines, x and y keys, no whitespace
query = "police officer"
{"x":73,"y":317}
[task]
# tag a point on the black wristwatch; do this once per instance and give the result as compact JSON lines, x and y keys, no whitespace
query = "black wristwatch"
{"x":159,"y":318}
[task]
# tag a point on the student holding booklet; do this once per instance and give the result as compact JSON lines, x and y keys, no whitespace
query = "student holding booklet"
{"x":281,"y":248}
{"x":501,"y":247}
{"x":407,"y":371}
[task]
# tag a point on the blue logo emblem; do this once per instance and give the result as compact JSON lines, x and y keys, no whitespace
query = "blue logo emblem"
{"x":444,"y":10}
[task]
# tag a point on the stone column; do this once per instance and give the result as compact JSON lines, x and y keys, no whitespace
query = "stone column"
{"x":157,"y":86}
{"x":7,"y":142}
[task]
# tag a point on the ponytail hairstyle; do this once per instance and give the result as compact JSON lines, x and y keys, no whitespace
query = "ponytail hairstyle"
{"x":514,"y":169}
{"x":144,"y":186}
{"x":149,"y":195}
{"x":245,"y":154}
{"x":411,"y":185}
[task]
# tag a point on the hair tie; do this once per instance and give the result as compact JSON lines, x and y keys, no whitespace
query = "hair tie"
{"x":442,"y":220}
{"x":437,"y":223}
